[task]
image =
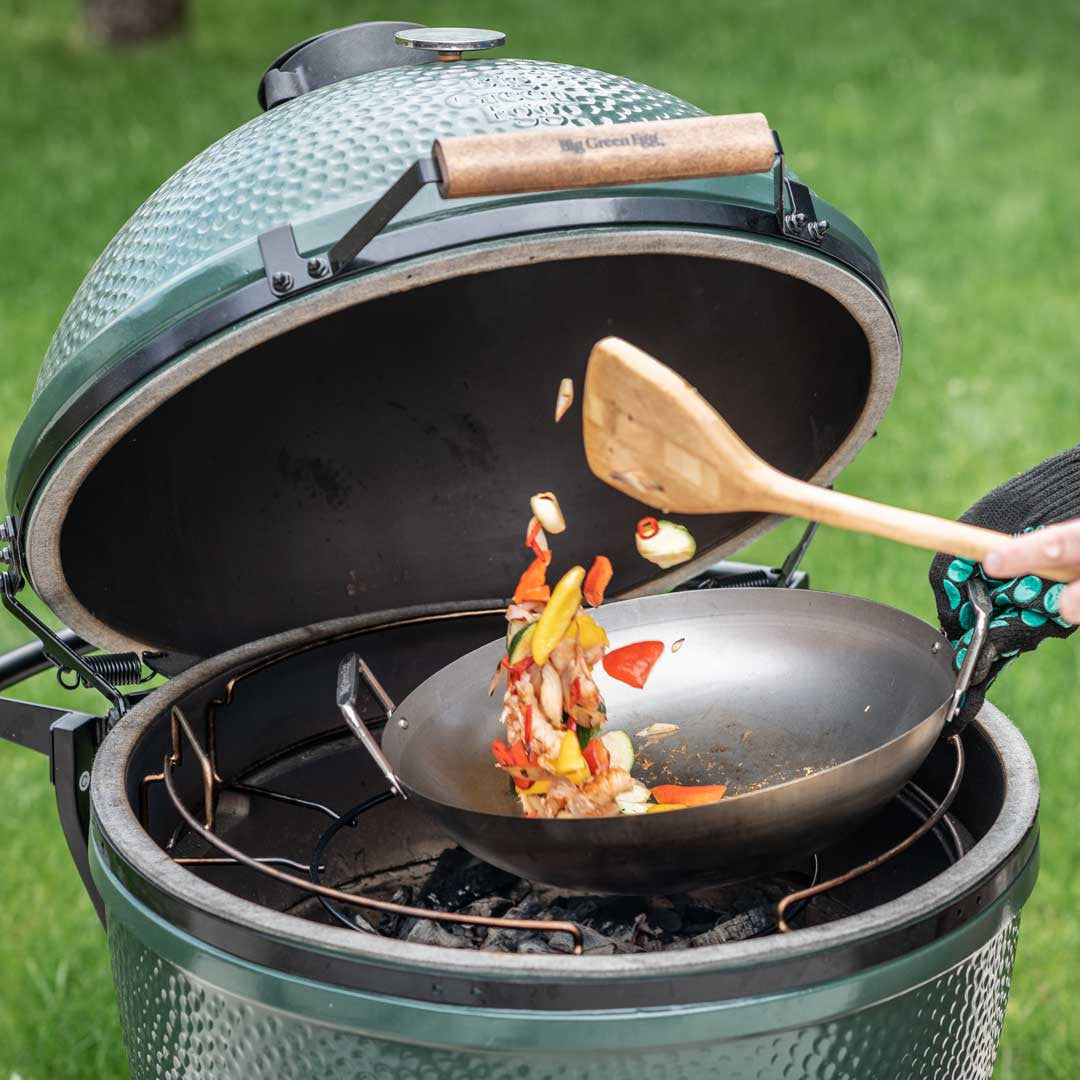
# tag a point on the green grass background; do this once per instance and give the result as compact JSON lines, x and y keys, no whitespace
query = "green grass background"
{"x":947,"y":131}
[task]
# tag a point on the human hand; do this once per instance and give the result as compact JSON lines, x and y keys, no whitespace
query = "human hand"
{"x":1040,"y":507}
{"x":1056,"y":547}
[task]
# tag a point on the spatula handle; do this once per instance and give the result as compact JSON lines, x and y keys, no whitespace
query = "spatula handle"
{"x":799,"y":499}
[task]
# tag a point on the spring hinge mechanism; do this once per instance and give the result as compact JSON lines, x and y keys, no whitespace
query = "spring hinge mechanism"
{"x":102,"y":672}
{"x":801,"y":221}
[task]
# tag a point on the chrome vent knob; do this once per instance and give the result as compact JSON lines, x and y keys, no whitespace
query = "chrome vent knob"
{"x":450,"y":41}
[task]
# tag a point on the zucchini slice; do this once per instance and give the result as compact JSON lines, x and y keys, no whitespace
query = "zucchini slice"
{"x":521,"y":645}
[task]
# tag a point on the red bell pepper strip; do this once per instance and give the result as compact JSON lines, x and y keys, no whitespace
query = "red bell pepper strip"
{"x":597,"y":580}
{"x":521,"y":759}
{"x":514,"y":670}
{"x":533,"y":583}
{"x":632,"y":664}
{"x":694,"y":795}
{"x":575,"y":691}
{"x":511,"y":757}
{"x":596,"y":756}
{"x":648,"y":527}
{"x":532,"y":541}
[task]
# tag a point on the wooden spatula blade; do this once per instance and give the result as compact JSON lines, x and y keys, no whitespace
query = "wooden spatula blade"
{"x":649,"y":434}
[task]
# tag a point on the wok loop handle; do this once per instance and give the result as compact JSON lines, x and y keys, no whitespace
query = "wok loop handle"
{"x":983,"y":607}
{"x":350,"y":673}
{"x":555,"y":159}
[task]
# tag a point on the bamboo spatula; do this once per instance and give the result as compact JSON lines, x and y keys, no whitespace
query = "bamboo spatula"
{"x":649,"y":434}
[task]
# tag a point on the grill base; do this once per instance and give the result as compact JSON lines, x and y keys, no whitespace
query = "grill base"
{"x":175,"y":1022}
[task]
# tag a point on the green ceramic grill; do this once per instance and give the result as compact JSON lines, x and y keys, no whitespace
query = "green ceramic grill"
{"x":293,"y":413}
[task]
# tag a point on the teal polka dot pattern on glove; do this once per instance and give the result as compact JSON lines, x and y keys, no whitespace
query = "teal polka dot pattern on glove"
{"x":1026,"y":609}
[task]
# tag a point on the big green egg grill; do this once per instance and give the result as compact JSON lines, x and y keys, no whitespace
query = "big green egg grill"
{"x":293,"y":413}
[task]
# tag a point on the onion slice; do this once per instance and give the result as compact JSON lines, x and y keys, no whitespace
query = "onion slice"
{"x":546,"y":510}
{"x":565,"y":398}
{"x":664,"y":543}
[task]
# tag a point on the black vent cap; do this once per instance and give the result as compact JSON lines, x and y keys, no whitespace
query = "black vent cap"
{"x":335,"y":55}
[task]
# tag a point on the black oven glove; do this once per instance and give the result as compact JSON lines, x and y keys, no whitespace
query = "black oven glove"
{"x":1025,"y":608}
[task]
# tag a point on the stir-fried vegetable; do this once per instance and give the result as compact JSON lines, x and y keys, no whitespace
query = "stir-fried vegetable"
{"x":521,"y":645}
{"x":664,"y":543}
{"x":696,"y":795}
{"x":571,"y":762}
{"x":597,"y":580}
{"x":596,"y":756}
{"x":632,"y":664}
{"x":532,"y":585}
{"x":560,"y":763}
{"x":535,"y":539}
{"x":558,"y":615}
{"x":588,"y":631}
{"x":511,"y":757}
{"x":620,"y":749}
{"x":546,"y":510}
{"x":565,"y":398}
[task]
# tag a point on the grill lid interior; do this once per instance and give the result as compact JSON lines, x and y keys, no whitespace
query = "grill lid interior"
{"x":383,"y":454}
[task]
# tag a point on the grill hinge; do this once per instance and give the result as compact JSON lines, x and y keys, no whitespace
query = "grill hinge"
{"x":289,"y":272}
{"x":801,"y":221}
{"x":102,"y":672}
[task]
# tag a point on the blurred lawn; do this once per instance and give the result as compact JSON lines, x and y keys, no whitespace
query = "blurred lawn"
{"x":948,"y":132}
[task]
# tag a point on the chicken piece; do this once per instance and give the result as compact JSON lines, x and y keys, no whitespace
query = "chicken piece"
{"x":594,"y":799}
{"x":545,"y":739}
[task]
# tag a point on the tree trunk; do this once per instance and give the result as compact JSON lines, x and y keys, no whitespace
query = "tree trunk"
{"x":126,"y":22}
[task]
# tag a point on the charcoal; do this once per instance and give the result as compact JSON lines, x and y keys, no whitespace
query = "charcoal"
{"x":361,"y":923}
{"x":428,"y":932}
{"x":502,"y":939}
{"x":537,"y":944}
{"x":460,"y":878}
{"x":623,"y":925}
{"x":747,"y":925}
{"x":391,"y":924}
{"x":666,"y":920}
{"x":592,"y":943}
{"x":488,"y":907}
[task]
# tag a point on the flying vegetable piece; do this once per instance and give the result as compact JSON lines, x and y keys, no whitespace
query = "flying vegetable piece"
{"x":597,"y":580}
{"x":693,"y":795}
{"x":571,"y":762}
{"x":565,"y":398}
{"x":596,"y":756}
{"x":632,"y":664}
{"x":588,"y":631}
{"x":533,"y":585}
{"x":561,"y":609}
{"x":655,"y":730}
{"x":535,"y":539}
{"x":664,"y":543}
{"x":514,"y":757}
{"x":546,"y":510}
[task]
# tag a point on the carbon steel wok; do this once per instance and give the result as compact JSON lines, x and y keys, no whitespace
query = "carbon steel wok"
{"x":814,"y":709}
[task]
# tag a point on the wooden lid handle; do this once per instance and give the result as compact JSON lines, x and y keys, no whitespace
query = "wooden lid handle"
{"x":553,"y":159}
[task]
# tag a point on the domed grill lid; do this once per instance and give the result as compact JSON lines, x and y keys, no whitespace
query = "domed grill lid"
{"x":358,"y":421}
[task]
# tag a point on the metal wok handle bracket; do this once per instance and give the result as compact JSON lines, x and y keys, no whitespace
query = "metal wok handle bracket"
{"x":350,"y":673}
{"x":983,"y":607}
